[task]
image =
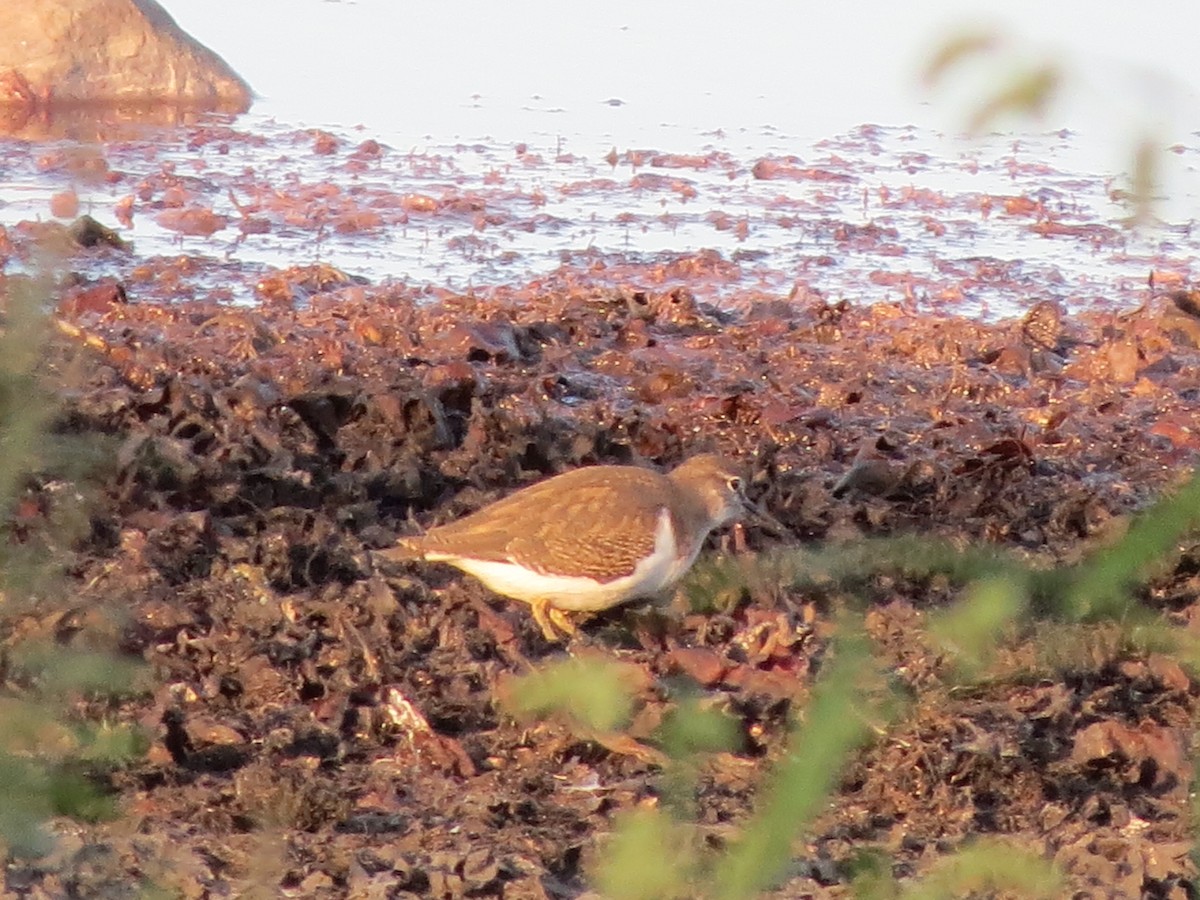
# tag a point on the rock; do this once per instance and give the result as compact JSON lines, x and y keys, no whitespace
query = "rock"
{"x":62,"y":52}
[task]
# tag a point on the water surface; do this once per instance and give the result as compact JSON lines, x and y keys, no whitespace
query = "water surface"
{"x":508,"y":117}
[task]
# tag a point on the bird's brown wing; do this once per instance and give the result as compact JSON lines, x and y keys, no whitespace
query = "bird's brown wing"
{"x":580,"y":523}
{"x":591,"y":539}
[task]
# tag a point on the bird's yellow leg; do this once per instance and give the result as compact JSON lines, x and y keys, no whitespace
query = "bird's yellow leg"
{"x":562,"y":620}
{"x":551,"y":620}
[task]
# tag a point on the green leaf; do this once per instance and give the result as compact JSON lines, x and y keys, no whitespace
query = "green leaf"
{"x":988,"y":867}
{"x":840,"y":716}
{"x":648,"y":857}
{"x":593,"y":691}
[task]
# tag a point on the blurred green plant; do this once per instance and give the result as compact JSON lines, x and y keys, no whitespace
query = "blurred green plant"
{"x":985,"y":867}
{"x":1086,"y":613}
{"x":1016,"y":84}
{"x":849,"y":703}
{"x":988,"y":867}
{"x":592,"y":692}
{"x":1099,"y":588}
{"x":1026,"y":89}
{"x":53,"y":758}
{"x":657,"y":852}
{"x":650,"y":856}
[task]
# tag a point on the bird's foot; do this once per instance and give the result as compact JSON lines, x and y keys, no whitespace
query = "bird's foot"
{"x":553,"y":621}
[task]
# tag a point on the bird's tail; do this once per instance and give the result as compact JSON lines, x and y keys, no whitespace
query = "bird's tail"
{"x":405,"y":549}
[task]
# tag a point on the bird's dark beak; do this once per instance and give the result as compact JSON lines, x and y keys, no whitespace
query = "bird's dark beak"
{"x":756,"y":515}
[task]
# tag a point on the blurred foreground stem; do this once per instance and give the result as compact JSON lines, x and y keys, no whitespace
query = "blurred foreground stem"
{"x":843,"y":713}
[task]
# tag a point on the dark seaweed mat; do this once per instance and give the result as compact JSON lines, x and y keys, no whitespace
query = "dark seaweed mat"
{"x":262,"y":453}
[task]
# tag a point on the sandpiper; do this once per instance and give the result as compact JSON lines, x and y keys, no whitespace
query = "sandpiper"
{"x":589,"y":539}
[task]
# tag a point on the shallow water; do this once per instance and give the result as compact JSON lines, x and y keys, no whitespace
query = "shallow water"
{"x":506,"y":119}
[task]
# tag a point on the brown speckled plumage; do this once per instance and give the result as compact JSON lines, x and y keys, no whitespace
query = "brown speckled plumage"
{"x":1042,"y":326}
{"x":585,"y":522}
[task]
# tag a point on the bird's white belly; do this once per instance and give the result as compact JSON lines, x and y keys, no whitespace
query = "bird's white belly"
{"x":662,"y":568}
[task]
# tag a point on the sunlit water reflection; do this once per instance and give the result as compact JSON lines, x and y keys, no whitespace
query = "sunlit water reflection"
{"x":506,"y":117}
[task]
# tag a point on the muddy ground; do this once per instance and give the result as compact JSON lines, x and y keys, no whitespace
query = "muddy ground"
{"x":321,"y":727}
